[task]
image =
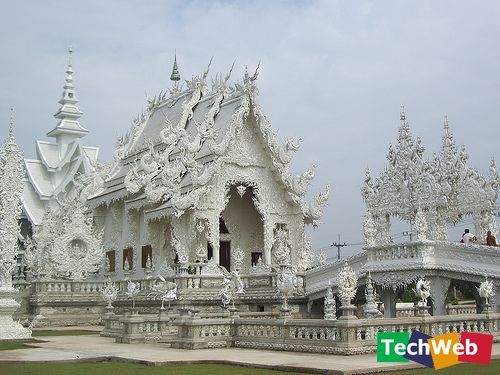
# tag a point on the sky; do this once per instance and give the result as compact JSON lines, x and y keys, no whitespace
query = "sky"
{"x":332,"y":72}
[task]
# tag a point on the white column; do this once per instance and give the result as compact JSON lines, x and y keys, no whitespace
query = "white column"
{"x":389,"y":297}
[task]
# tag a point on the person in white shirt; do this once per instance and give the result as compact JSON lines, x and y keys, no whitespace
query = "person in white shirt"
{"x":468,"y":237}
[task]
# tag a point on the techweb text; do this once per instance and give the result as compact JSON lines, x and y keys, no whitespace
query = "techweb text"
{"x":434,"y":352}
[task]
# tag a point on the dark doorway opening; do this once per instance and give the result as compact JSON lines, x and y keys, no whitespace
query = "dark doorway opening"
{"x":225,"y":255}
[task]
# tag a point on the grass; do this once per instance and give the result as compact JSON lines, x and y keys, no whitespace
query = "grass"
{"x":462,"y":369}
{"x":124,"y":368}
{"x":107,"y":368}
{"x":12,"y":345}
{"x":73,"y":332}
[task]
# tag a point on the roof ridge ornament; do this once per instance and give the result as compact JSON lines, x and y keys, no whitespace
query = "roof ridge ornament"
{"x":11,"y":123}
{"x":402,"y":114}
{"x":175,"y":76}
{"x":208,"y":68}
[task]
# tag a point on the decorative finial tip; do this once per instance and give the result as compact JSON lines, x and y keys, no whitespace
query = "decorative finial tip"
{"x":11,"y":122}
{"x":175,"y":76}
{"x":402,"y":113}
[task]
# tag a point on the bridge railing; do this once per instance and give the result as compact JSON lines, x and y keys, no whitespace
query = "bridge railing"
{"x":191,"y":331}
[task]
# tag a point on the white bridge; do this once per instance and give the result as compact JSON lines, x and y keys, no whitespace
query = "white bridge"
{"x":397,"y":265}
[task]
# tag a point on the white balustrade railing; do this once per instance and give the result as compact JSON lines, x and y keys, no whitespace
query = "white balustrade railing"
{"x":461,"y":309}
{"x":312,"y":335}
{"x":404,"y":310}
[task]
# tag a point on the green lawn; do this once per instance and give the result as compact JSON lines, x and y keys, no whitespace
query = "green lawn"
{"x":11,"y":345}
{"x":463,"y":369}
{"x":108,"y":368}
{"x":74,"y":332}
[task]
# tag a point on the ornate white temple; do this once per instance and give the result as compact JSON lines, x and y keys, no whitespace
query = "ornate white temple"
{"x":198,"y":208}
{"x":200,"y":179}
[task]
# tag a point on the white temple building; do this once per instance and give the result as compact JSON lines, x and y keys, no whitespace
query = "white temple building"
{"x":51,"y":173}
{"x":200,"y":177}
{"x":199,"y":208}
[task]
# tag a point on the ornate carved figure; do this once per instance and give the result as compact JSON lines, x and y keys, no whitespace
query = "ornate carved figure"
{"x":370,"y":231}
{"x":423,"y":290}
{"x":370,"y":308}
{"x":66,"y":244}
{"x":330,"y":304}
{"x":109,"y":293}
{"x":166,"y":291}
{"x":347,"y":285}
{"x":260,"y":267}
{"x":226,"y":294}
{"x":286,"y":283}
{"x":232,"y":287}
{"x":133,"y":289}
{"x":282,"y":247}
{"x":486,"y":290}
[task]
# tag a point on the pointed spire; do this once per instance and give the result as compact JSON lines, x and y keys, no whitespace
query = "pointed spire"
{"x":175,"y":76}
{"x":402,"y":114}
{"x":11,"y":124}
{"x":68,"y":114}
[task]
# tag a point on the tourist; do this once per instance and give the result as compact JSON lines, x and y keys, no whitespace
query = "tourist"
{"x":468,"y":237}
{"x":490,"y":239}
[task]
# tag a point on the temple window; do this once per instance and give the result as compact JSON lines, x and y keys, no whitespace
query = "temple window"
{"x":147,"y":252}
{"x":128,"y":258}
{"x":111,"y":256}
{"x":255,"y":257}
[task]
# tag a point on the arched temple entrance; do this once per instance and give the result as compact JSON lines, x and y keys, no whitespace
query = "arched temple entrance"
{"x":241,"y":230}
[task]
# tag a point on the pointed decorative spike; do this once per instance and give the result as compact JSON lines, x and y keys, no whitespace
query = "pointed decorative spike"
{"x":70,"y":54}
{"x":208,"y":68}
{"x":256,"y":74}
{"x":229,"y":73}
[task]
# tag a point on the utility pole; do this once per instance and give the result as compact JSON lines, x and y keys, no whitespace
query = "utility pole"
{"x":338,"y":245}
{"x":408,"y":234}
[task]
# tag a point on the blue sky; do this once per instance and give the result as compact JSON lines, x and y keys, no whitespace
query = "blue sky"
{"x":333,"y":72}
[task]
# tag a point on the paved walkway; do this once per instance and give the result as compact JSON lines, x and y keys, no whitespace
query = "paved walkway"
{"x":94,"y":348}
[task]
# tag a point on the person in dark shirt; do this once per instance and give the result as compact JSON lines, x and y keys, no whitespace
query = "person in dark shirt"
{"x":490,"y":239}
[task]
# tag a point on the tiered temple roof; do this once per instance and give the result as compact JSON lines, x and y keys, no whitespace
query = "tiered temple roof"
{"x":181,"y":140}
{"x":57,"y":163}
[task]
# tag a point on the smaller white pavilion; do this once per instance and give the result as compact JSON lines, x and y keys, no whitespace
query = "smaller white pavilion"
{"x":51,"y":173}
